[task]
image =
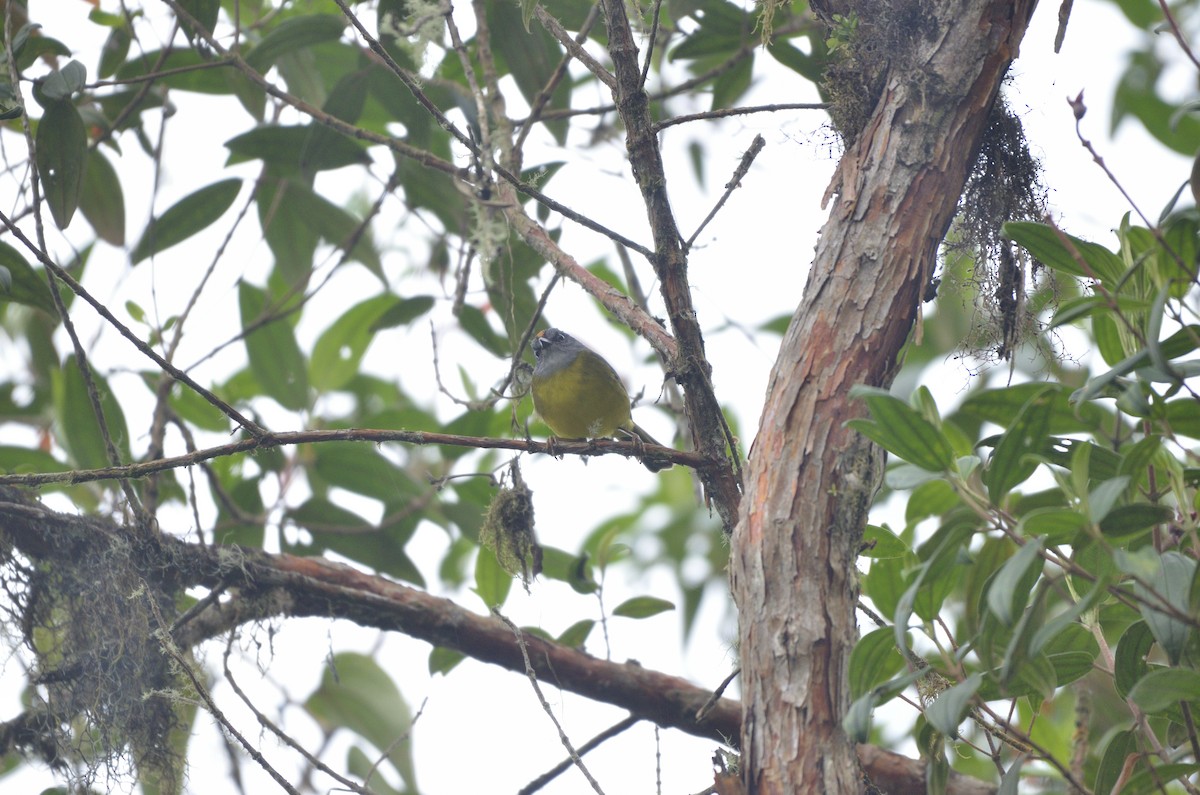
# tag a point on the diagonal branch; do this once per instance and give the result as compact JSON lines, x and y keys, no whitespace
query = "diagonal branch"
{"x":281,"y":585}
{"x":689,"y":366}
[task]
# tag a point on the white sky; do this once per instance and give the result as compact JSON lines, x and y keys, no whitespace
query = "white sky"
{"x":482,"y":729}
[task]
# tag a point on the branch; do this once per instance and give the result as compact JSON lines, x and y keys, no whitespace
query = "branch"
{"x":268,"y":441}
{"x":690,"y":366}
{"x":281,"y":585}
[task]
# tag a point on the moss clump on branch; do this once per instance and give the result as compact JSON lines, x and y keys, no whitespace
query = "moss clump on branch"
{"x":101,"y":683}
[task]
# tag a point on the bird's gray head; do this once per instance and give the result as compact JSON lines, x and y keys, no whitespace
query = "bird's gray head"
{"x":554,"y":350}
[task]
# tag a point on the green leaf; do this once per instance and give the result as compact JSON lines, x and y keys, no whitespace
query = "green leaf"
{"x":24,"y":284}
{"x":338,"y":352}
{"x":902,"y":431}
{"x":576,"y":635}
{"x":61,"y":159}
{"x":732,"y":84}
{"x":492,"y":582}
{"x":951,"y":706}
{"x":20,"y":460}
{"x":101,"y":199}
{"x":357,"y":694}
{"x":1013,"y":460}
{"x":880,"y":542}
{"x":1161,"y":691}
{"x":1002,"y":405}
{"x":1011,"y":586}
{"x":360,"y":468}
{"x":873,"y":660}
{"x":337,"y":529}
{"x":1052,"y":525}
{"x":1010,"y":782}
{"x":1165,"y":578}
{"x":77,"y":425}
{"x":296,"y":150}
{"x":1047,"y":246}
{"x":191,"y":214}
{"x":642,"y":607}
{"x":290,"y":35}
{"x":1119,"y":748}
{"x":115,"y":50}
{"x":60,"y":84}
{"x":1127,"y":522}
{"x":1129,"y":664}
{"x":443,"y":660}
{"x":403,"y":312}
{"x":275,"y":357}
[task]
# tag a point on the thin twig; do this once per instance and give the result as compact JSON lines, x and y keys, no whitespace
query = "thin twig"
{"x":723,"y":113}
{"x":734,"y":183}
{"x":555,"y":29}
{"x":565,"y":765}
{"x":532,"y":676}
{"x":271,"y":726}
{"x":171,"y":650}
{"x":250,"y":426}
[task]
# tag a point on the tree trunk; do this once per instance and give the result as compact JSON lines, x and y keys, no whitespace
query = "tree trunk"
{"x":810,"y":479}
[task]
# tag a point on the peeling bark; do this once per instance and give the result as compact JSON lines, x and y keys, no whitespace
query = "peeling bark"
{"x":810,"y":479}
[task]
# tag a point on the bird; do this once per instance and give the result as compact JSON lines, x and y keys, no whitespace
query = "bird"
{"x":579,"y":394}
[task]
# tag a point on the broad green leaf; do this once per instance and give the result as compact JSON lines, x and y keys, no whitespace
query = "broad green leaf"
{"x":732,"y":84}
{"x":191,"y":214}
{"x":403,"y":312}
{"x":492,"y":582}
{"x":1130,"y":659}
{"x":276,"y":361}
{"x":880,"y":542}
{"x":357,"y":694}
{"x":1161,"y":691}
{"x":1001,"y":406}
{"x":246,"y":527}
{"x":102,"y":201}
{"x":642,"y":607}
{"x":295,"y":150}
{"x":531,"y":58}
{"x":203,"y":12}
{"x":1011,"y":586}
{"x":360,"y":468}
{"x":443,"y":660}
{"x":1047,"y":246}
{"x":1112,"y":762}
{"x":116,"y":48}
{"x":60,"y":84}
{"x":1163,"y":580}
{"x":77,"y":426}
{"x":1145,"y":781}
{"x":1126,"y":522}
{"x":576,"y":635}
{"x":1052,"y":525}
{"x":337,"y":529}
{"x":18,"y":460}
{"x":902,"y":431}
{"x":951,"y":706}
{"x":339,"y":350}
{"x":1013,"y":461}
{"x":24,"y":285}
{"x":190,"y":406}
{"x":1010,"y":782}
{"x":874,"y":660}
{"x":294,"y":34}
{"x":61,"y":159}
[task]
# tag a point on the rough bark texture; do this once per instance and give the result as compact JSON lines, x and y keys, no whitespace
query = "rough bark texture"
{"x":810,"y":479}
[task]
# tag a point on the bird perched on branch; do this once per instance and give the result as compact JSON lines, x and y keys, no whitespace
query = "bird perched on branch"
{"x":580,"y":395}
